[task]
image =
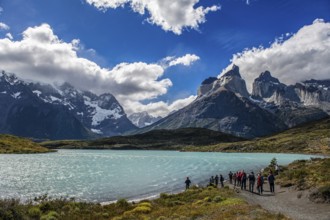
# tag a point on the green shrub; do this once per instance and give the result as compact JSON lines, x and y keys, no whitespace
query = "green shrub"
{"x":146,"y":204}
{"x":198,"y":202}
{"x":217,"y":199}
{"x":164,"y":196}
{"x":44,"y":207}
{"x":34,"y":213}
{"x":105,"y":215}
{"x":321,"y":195}
{"x":142,"y":209}
{"x":122,"y":203}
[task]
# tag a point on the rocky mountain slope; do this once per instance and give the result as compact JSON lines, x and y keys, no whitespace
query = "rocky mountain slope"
{"x":143,"y":119}
{"x":309,"y":138}
{"x":58,"y":112}
{"x":225,"y":105}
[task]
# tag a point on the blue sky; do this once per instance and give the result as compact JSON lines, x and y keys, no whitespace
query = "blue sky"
{"x":110,"y":36}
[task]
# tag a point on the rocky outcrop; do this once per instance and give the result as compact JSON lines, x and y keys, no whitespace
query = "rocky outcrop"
{"x":206,"y":86}
{"x":233,"y":82}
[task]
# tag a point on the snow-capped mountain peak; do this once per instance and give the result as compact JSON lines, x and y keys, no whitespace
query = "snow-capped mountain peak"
{"x":101,"y":114}
{"x":143,"y":119}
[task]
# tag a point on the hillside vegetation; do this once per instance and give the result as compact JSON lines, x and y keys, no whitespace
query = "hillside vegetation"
{"x":312,"y":174}
{"x":10,"y":144}
{"x":157,"y":139}
{"x":311,"y":138}
{"x":196,"y":203}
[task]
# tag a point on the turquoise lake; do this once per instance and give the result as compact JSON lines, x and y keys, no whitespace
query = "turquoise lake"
{"x":106,"y":175}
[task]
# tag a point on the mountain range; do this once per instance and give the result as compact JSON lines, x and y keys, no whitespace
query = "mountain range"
{"x":47,"y":111}
{"x":224,"y":104}
{"x":143,"y":119}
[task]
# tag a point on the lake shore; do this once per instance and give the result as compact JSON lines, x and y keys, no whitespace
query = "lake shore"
{"x":197,"y":202}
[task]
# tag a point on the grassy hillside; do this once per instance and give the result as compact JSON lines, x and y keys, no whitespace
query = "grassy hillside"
{"x":10,"y":144}
{"x":157,"y":139}
{"x":311,"y":138}
{"x":308,"y":174}
{"x":197,"y":203}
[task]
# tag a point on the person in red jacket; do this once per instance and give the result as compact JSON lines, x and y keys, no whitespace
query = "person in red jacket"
{"x":239,"y":178}
{"x":259,"y":183}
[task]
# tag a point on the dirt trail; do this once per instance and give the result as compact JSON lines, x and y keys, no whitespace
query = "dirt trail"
{"x":286,"y":201}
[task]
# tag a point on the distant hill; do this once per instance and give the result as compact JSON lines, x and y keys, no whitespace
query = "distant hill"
{"x":156,"y":139}
{"x":310,"y":138}
{"x":10,"y":144}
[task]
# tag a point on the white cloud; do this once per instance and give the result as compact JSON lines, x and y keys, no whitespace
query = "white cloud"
{"x":4,"y":26}
{"x":185,"y":60}
{"x":41,"y":56}
{"x":159,"y":108}
{"x":174,"y":15}
{"x":305,"y":55}
{"x":8,"y":35}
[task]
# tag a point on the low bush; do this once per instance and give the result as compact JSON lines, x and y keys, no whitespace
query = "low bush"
{"x":34,"y":213}
{"x":321,"y":195}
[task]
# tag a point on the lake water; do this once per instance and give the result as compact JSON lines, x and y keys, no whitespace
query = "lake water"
{"x":105,"y":175}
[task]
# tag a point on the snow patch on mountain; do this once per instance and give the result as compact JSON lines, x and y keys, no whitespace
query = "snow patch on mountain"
{"x":100,"y":114}
{"x":97,"y":131}
{"x":16,"y":95}
{"x":37,"y":92}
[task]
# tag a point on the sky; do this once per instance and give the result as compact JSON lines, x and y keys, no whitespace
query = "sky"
{"x":153,"y":54}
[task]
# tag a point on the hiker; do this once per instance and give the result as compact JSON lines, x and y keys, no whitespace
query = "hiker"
{"x":230,"y":174}
{"x":187,"y":183}
{"x":235,"y":179}
{"x":243,"y":180}
{"x":221,"y":180}
{"x":252,"y":180}
{"x":239,"y":178}
{"x":216,"y":179}
{"x":277,"y":169}
{"x":211,"y":181}
{"x":271,"y":181}
{"x":262,"y":183}
{"x":259,"y":183}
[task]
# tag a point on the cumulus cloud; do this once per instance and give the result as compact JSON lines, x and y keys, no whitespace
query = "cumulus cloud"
{"x":185,"y":60}
{"x":41,"y":56}
{"x":159,"y":108}
{"x":4,"y":26}
{"x":302,"y":56}
{"x":174,"y":15}
{"x":8,"y":35}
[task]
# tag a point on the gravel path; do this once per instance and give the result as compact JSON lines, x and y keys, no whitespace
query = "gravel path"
{"x":286,"y":201}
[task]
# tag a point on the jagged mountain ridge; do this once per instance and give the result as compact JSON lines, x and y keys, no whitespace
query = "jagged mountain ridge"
{"x":223,"y":104}
{"x":143,"y":119}
{"x":85,"y":113}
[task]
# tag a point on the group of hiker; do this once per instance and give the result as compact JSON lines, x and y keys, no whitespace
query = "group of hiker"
{"x":240,"y":178}
{"x":214,"y":181}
